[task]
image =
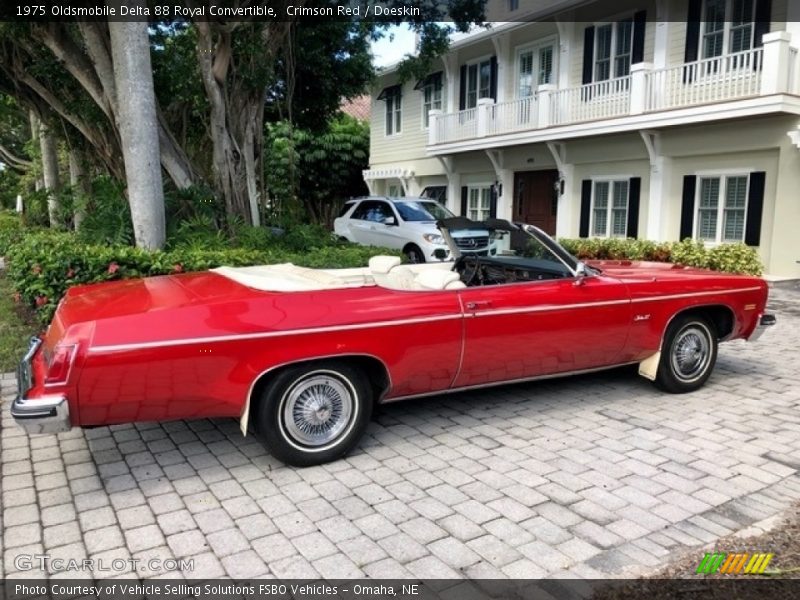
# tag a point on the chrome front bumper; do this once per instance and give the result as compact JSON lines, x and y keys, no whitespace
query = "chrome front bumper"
{"x":48,"y":414}
{"x":765,"y":321}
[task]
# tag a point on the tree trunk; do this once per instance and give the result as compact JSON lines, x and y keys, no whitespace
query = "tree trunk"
{"x":138,"y":128}
{"x":50,"y":172}
{"x":38,"y":184}
{"x":80,"y":185}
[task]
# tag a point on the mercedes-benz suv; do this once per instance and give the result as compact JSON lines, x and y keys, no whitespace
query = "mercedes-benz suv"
{"x":407,"y":224}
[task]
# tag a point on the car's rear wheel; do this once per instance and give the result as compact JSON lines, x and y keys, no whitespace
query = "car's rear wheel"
{"x":414,"y":254}
{"x":315,"y":413}
{"x":688,"y":354}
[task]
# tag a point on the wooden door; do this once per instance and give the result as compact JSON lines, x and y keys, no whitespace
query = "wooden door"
{"x":536,"y":199}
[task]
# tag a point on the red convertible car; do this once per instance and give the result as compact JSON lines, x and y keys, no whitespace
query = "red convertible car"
{"x":302,"y":355}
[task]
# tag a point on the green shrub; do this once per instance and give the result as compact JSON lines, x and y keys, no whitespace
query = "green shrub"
{"x":11,"y":230}
{"x":728,"y":258}
{"x":42,"y":265}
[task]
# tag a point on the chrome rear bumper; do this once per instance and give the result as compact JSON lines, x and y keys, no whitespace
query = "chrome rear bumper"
{"x":765,"y":321}
{"x":48,"y":414}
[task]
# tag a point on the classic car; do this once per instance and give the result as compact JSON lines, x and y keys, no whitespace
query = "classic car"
{"x":302,"y":355}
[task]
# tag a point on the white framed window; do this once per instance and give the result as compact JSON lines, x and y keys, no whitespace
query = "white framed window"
{"x":535,"y":67}
{"x":479,"y":202}
{"x":479,"y":82}
{"x":613,"y":49}
{"x":395,"y":190}
{"x":431,"y":97}
{"x":721,"y":212}
{"x":727,"y":27}
{"x":609,"y":215}
{"x":393,"y":97}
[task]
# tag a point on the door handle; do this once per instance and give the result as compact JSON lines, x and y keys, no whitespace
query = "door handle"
{"x":479,"y":304}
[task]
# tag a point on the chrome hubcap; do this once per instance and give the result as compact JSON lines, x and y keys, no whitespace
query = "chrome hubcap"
{"x":317,"y":409}
{"x":690,"y":353}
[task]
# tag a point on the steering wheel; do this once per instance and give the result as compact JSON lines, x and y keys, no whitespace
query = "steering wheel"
{"x":471,"y":269}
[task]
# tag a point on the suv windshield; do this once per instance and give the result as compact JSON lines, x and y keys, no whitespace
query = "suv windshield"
{"x":422,"y":211}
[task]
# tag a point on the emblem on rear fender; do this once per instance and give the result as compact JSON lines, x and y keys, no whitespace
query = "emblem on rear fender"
{"x":641,"y":317}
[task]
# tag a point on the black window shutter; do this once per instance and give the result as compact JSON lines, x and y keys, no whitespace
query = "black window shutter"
{"x":588,"y":54}
{"x":634,"y":191}
{"x":755,"y":208}
{"x":493,"y":78}
{"x":462,"y":88}
{"x":687,"y":206}
{"x":693,"y":31}
{"x":586,"y":207}
{"x":464,"y":193}
{"x":763,"y":18}
{"x":493,"y":202}
{"x":639,"y":26}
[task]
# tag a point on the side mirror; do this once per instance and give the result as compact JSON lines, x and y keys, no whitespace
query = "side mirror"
{"x":580,"y":273}
{"x":390,"y":221}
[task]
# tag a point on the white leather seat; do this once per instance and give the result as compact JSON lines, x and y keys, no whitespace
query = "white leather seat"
{"x":381,"y":265}
{"x":437,"y":280}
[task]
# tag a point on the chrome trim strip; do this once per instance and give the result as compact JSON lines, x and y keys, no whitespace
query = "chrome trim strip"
{"x":270,"y":334}
{"x":508,"y":382}
{"x":694,"y":295}
{"x":546,"y":308}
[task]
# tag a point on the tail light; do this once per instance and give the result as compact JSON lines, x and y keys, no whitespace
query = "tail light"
{"x":60,"y":364}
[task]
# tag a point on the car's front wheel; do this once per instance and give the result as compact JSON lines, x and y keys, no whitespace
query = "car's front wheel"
{"x":315,"y":413}
{"x":414,"y":254}
{"x":688,"y":354}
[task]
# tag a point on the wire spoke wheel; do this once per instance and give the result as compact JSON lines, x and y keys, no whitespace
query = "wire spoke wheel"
{"x":318,"y":409}
{"x":690,"y":353}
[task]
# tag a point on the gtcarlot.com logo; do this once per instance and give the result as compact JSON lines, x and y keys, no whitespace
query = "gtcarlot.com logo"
{"x":44,"y":562}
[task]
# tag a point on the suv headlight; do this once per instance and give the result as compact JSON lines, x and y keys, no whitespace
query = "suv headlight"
{"x":433,"y":238}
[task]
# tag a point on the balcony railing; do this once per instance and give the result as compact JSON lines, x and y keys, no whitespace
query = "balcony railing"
{"x":600,"y":100}
{"x":774,"y":68}
{"x":706,"y":81}
{"x":516,"y":115}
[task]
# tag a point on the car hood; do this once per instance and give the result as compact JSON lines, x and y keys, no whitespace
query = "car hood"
{"x":633,"y":271}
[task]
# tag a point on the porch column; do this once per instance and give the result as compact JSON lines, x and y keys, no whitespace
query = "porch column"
{"x":505,"y":201}
{"x":775,"y":64}
{"x":658,"y":199}
{"x":433,"y":125}
{"x":454,"y":192}
{"x":484,"y":110}
{"x":568,"y":201}
{"x":639,"y":73}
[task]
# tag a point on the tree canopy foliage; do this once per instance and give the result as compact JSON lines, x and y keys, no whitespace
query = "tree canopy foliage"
{"x":216,"y":84}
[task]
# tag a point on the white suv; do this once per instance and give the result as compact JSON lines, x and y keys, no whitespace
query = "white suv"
{"x":407,"y":224}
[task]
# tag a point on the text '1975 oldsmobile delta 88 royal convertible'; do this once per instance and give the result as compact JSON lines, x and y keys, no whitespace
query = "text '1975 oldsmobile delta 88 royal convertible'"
{"x":302,"y":355}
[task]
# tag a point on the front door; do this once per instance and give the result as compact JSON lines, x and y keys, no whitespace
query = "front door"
{"x":525,"y":330}
{"x":536,"y":199}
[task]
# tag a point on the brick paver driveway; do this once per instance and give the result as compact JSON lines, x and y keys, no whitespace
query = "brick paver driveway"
{"x":592,"y":476}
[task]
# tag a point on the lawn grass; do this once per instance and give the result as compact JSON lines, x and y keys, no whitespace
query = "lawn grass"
{"x":14,"y":331}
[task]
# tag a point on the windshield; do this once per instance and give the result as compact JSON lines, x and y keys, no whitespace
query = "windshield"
{"x":422,"y":211}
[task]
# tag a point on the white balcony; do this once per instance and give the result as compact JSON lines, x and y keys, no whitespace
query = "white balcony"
{"x":772,"y":69}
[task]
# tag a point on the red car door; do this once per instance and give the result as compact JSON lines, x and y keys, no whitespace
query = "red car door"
{"x":521,"y":330}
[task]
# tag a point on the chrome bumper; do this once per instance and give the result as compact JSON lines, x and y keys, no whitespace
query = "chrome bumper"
{"x":765,"y":321}
{"x":48,"y":414}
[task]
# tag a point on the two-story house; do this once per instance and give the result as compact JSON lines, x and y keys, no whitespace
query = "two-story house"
{"x":662,"y":119}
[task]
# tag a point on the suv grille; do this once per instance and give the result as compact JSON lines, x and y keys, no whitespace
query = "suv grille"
{"x":472,"y":243}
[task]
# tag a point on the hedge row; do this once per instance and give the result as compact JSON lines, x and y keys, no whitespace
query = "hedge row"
{"x":42,"y":265}
{"x":728,"y":258}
